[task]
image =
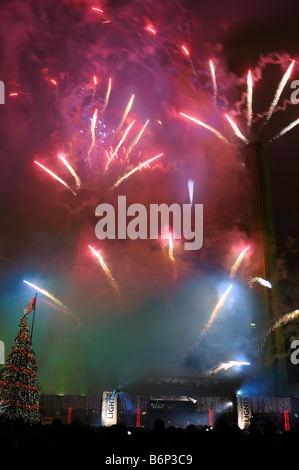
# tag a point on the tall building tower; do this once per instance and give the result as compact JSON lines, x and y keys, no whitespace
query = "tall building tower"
{"x":271,"y":367}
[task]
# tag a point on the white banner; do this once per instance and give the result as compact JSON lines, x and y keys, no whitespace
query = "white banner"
{"x":109,"y":408}
{"x":244,"y":412}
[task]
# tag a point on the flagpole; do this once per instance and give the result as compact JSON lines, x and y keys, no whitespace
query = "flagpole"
{"x":33,"y":318}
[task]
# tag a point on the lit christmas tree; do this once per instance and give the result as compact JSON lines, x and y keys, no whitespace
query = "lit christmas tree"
{"x":18,"y":381}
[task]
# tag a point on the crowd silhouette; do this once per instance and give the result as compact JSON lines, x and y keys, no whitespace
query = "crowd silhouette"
{"x":128,"y":441}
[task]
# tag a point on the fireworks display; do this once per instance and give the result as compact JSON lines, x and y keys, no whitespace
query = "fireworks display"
{"x":107,"y":95}
{"x":249,"y":99}
{"x":141,"y":165}
{"x":57,"y":178}
{"x":119,"y":144}
{"x":126,"y":112}
{"x":171,"y":256}
{"x":238,"y":262}
{"x":279,"y":90}
{"x":285,"y":130}
{"x":226,"y":366}
{"x":216,"y":310}
{"x":214,"y":314}
{"x":185,"y":50}
{"x":107,"y":271}
{"x":213,"y":75}
{"x":285,"y":319}
{"x":62,"y":307}
{"x":190,"y":190}
{"x":206,"y":126}
{"x":260,"y":281}
{"x":138,"y":136}
{"x":97,"y":94}
{"x":236,"y":130}
{"x":72,"y":171}
{"x":92,"y":130}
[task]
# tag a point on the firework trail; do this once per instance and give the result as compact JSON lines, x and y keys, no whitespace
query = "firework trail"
{"x":119,"y":144}
{"x":170,"y":251}
{"x":149,"y":28}
{"x":279,"y":91}
{"x":63,"y":307}
{"x":137,"y":138}
{"x":237,"y":263}
{"x":60,"y":309}
{"x":107,"y":96}
{"x":56,"y":177}
{"x":141,"y":165}
{"x":285,"y":130}
{"x":219,"y":305}
{"x":187,"y":53}
{"x":213,"y":75}
{"x":95,"y":81}
{"x":72,"y":171}
{"x":97,"y":9}
{"x":280,"y":322}
{"x":249,"y":99}
{"x":225,"y":366}
{"x":107,"y":271}
{"x":259,"y":280}
{"x":92,"y":130}
{"x":216,"y":310}
{"x":236,"y":130}
{"x":190,"y":190}
{"x":211,"y":129}
{"x":171,"y":257}
{"x":272,"y":107}
{"x":186,"y":50}
{"x":126,"y":112}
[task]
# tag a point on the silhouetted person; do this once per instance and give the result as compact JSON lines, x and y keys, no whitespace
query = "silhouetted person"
{"x":270,"y":429}
{"x":159,"y":426}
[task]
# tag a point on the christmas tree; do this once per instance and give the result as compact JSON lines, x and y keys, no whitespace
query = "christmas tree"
{"x":18,"y":380}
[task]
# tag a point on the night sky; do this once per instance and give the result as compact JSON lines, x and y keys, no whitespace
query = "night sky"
{"x":101,"y":337}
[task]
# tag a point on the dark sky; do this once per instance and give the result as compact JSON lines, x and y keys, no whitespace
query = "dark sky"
{"x":45,"y":230}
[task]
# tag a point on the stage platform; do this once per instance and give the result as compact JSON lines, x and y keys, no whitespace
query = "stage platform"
{"x":174,"y":410}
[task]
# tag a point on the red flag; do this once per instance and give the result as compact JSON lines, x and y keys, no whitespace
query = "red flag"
{"x":31,"y":305}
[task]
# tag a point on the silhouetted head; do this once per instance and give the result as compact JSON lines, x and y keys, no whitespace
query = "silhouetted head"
{"x":159,"y":425}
